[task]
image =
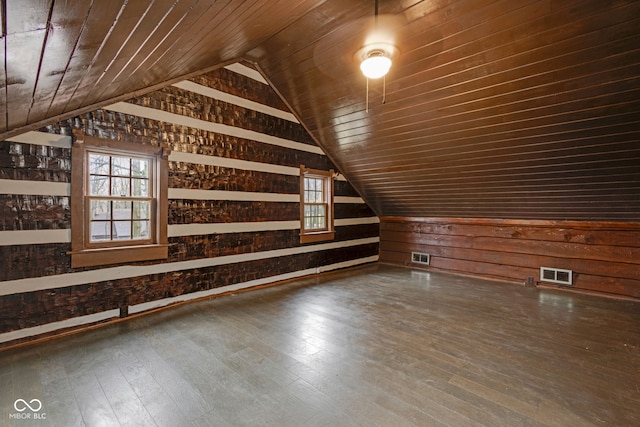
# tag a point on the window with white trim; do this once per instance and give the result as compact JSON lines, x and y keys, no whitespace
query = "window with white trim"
{"x":119,"y":202}
{"x":316,"y":205}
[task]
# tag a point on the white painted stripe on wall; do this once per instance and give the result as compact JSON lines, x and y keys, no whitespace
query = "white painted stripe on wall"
{"x":181,"y":230}
{"x":235,"y":100}
{"x":43,"y":138}
{"x":55,"y":326}
{"x":44,"y":188}
{"x":153,"y":114}
{"x":348,"y":200}
{"x":247,"y":72}
{"x":238,"y":196}
{"x":240,"y":286}
{"x":203,"y":159}
{"x":34,"y":237}
{"x":356,"y":221}
{"x":246,"y":196}
{"x":34,"y":188}
{"x":126,"y":271}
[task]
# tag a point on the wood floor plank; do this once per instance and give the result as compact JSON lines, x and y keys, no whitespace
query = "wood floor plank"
{"x":61,"y":405}
{"x":93,"y":403}
{"x":376,"y":345}
{"x":7,"y":393}
{"x":122,"y":397}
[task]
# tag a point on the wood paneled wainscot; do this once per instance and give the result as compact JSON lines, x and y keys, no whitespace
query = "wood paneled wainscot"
{"x":603,"y":256}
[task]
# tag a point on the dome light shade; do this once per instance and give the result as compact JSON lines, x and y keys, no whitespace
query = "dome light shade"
{"x":375,"y":65}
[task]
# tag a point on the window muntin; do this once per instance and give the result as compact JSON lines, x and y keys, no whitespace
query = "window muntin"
{"x":316,"y":205}
{"x":119,"y":197}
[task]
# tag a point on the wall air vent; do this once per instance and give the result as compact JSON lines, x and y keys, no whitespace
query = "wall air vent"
{"x":556,"y":275}
{"x":420,"y":258}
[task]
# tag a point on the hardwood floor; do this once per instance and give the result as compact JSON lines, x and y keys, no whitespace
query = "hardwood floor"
{"x":378,"y":345}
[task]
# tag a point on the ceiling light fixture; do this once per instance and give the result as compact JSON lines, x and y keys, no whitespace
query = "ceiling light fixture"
{"x":376,"y":64}
{"x":377,"y":54}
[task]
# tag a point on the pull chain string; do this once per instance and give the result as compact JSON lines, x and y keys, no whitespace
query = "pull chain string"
{"x":366,"y":105}
{"x":384,"y":89}
{"x":366,"y":108}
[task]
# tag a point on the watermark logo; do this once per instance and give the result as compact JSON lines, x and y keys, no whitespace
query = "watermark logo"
{"x":21,"y":405}
{"x":27,"y":410}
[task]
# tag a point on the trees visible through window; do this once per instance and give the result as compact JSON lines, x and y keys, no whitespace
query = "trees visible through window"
{"x":119,"y":197}
{"x":316,"y":205}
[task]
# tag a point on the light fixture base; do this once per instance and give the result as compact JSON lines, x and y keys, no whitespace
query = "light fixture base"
{"x":371,"y":53}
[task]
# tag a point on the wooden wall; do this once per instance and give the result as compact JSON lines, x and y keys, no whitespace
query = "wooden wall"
{"x":233,"y":206}
{"x":494,"y":109}
{"x":604,"y":256}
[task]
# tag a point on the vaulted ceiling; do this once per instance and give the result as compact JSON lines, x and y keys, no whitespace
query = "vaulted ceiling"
{"x":493,"y":108}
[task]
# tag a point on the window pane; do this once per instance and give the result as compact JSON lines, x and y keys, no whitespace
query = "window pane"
{"x":121,"y":230}
{"x":141,"y":210}
{"x":140,"y":230}
{"x":120,"y":187}
{"x":306,"y":190}
{"x":315,"y":217}
{"x":98,"y":185}
{"x":140,"y":187}
{"x":98,"y":164}
{"x":122,"y":210}
{"x":100,"y":210}
{"x":140,"y":168}
{"x":121,"y":166}
{"x":100,"y":231}
{"x":314,"y":190}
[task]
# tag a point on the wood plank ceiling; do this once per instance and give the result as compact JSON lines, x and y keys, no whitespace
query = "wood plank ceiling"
{"x":62,"y":56}
{"x":494,"y":108}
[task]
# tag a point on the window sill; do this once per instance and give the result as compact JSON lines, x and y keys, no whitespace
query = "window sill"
{"x":123,"y":254}
{"x":317,"y":237}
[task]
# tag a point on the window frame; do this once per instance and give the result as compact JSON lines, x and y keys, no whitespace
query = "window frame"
{"x":85,"y":253}
{"x":327,"y":233}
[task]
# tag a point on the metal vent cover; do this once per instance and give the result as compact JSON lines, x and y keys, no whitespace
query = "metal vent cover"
{"x":420,"y":258}
{"x":556,"y":275}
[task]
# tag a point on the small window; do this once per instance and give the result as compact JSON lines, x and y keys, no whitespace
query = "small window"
{"x":119,"y":202}
{"x":316,"y":205}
